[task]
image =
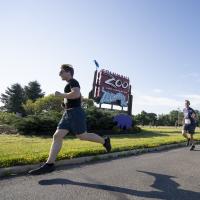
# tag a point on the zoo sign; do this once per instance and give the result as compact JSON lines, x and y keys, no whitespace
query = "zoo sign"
{"x":112,"y":88}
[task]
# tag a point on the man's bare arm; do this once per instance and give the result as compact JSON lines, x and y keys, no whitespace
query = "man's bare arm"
{"x":74,"y":94}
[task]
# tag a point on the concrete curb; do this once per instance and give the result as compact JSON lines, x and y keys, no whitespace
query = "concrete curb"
{"x":16,"y":170}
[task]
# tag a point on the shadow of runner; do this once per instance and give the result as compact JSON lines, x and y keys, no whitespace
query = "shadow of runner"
{"x":168,"y":188}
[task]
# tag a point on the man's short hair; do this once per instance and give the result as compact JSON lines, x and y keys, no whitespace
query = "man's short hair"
{"x":187,"y":101}
{"x":68,"y":68}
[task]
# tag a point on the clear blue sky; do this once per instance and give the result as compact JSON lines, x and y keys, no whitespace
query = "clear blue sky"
{"x":154,"y":42}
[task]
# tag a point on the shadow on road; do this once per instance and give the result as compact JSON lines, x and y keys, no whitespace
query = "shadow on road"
{"x":168,"y":188}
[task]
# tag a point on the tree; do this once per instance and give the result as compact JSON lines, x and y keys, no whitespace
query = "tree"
{"x":142,"y":118}
{"x":33,"y":91}
{"x":29,"y":107}
{"x":87,"y":103}
{"x":174,"y":117}
{"x":44,"y":104}
{"x":197,"y":116}
{"x":152,"y":117}
{"x":164,"y":120}
{"x":13,"y":98}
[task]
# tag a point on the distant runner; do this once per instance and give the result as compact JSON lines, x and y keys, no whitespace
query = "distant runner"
{"x":189,"y":124}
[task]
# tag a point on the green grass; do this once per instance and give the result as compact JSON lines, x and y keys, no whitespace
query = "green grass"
{"x":20,"y":150}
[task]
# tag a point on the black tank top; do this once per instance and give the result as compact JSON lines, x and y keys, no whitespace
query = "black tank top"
{"x":72,"y":103}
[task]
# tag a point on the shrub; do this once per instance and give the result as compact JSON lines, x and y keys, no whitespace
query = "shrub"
{"x":8,"y":118}
{"x":99,"y":119}
{"x":47,"y":103}
{"x":44,"y":123}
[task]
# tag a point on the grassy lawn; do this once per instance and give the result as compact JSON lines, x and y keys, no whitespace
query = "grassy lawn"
{"x":18,"y":150}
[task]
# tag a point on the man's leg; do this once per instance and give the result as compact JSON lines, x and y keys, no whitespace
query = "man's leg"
{"x":185,"y":135}
{"x":56,"y":145}
{"x":192,"y":142}
{"x":80,"y":127}
{"x":55,"y":148}
{"x":92,"y":137}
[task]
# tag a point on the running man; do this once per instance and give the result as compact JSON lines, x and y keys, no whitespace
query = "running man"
{"x":189,"y":124}
{"x":73,"y":120}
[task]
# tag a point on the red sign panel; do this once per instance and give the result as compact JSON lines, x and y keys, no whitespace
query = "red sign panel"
{"x":112,"y":87}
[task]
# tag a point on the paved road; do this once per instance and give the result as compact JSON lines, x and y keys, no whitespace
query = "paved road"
{"x":169,"y":175}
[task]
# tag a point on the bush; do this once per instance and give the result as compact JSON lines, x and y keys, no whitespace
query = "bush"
{"x":44,"y":123}
{"x":8,"y":118}
{"x":47,"y":103}
{"x":99,"y":119}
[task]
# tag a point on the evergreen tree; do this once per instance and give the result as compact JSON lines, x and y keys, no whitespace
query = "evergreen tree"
{"x":33,"y":91}
{"x":13,"y":98}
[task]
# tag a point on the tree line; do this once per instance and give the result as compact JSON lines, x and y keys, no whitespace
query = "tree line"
{"x":30,"y":100}
{"x":173,"y":118}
